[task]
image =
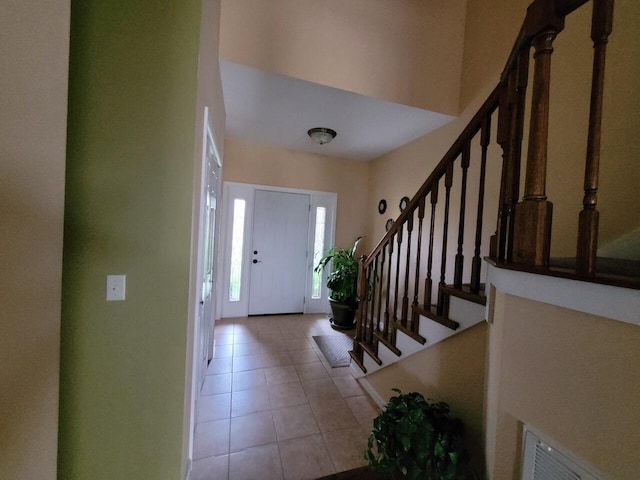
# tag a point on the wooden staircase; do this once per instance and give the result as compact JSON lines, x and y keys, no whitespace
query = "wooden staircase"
{"x":431,"y":258}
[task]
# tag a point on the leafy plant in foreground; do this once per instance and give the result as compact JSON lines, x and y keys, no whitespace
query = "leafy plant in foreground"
{"x":418,"y":439}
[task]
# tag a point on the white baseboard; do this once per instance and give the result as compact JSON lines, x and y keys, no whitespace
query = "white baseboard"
{"x":187,"y":475}
{"x":372,"y":392}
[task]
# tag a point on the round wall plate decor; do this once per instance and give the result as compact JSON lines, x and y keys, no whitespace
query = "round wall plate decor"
{"x":388,"y":225}
{"x":382,"y":206}
{"x":404,"y":201}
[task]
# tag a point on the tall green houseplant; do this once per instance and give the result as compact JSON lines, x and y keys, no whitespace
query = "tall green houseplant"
{"x":343,"y":283}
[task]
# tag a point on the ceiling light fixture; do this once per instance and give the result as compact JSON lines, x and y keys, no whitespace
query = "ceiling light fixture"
{"x":321,"y":135}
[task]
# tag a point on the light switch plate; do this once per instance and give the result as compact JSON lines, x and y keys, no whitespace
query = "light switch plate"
{"x":116,"y":287}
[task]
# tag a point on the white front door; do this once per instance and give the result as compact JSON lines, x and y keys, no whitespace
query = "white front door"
{"x":279,"y":253}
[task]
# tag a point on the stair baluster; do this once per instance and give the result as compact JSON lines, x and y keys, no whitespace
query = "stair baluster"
{"x":416,"y":283}
{"x":459,"y":259}
{"x":387,"y":317}
{"x":428,"y":283}
{"x":448,"y":182}
{"x":405,"y":296}
{"x":397,"y":284}
{"x":601,"y":26}
{"x":476,"y":263}
{"x":379,"y":280}
{"x":373,"y":283}
{"x":367,"y":304}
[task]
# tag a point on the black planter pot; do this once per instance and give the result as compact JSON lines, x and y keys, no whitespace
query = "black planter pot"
{"x":343,"y":314}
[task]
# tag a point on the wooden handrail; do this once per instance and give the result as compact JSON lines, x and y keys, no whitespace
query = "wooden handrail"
{"x":474,"y":125}
{"x":565,"y":7}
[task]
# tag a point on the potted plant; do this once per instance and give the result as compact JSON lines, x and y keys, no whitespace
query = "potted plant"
{"x":414,"y":438}
{"x":343,"y":283}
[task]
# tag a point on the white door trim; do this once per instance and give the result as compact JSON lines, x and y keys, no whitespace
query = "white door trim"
{"x":192,"y":370}
{"x":246,"y":191}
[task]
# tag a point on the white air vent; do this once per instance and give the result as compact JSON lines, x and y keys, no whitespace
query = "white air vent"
{"x":544,"y":462}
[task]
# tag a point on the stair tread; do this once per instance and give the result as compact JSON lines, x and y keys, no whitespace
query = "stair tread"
{"x":408,"y":332}
{"x":383,"y":339}
{"x":431,"y":313}
{"x":367,"y":347}
{"x":465,"y":293}
{"x":357,"y":360}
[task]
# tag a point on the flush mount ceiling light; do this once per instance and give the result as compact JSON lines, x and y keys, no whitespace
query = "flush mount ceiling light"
{"x":321,"y":135}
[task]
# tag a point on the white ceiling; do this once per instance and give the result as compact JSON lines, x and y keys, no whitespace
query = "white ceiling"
{"x":274,"y":109}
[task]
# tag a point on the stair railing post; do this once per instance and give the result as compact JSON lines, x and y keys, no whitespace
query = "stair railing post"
{"x":532,"y":229}
{"x":362,"y":281}
{"x":397,"y":284}
{"x":428,"y":282}
{"x":405,"y":296}
{"x":516,"y":133}
{"x":448,"y":183}
{"x":601,"y":27}
{"x":476,"y":262}
{"x":380,"y":281}
{"x":459,"y":258}
{"x":387,"y":316}
{"x":416,"y":282}
{"x":497,"y":245}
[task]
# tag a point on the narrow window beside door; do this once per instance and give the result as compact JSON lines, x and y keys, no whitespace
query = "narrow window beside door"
{"x":237,"y":237}
{"x":318,"y":249}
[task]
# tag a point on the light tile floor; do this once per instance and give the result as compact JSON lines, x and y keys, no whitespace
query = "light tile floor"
{"x":272,"y":408}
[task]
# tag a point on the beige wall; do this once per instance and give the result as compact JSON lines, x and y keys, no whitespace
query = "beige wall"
{"x":132,"y":97}
{"x":34,"y":54}
{"x":407,"y":51}
{"x":491,"y":29}
{"x":572,"y":376}
{"x":267,"y":165}
{"x":452,"y":371}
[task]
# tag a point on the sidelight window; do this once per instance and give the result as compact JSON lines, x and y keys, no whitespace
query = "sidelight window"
{"x":318,"y":249}
{"x":237,"y":239}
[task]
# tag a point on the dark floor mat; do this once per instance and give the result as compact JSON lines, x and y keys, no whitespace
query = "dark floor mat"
{"x":335,"y":348}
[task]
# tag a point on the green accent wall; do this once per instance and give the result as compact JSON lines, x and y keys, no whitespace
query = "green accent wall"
{"x":128,"y":202}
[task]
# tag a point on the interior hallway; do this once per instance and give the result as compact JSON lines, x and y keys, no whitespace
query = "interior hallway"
{"x":272,"y":408}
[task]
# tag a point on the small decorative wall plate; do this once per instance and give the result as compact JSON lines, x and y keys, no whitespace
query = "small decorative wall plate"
{"x":404,"y":201}
{"x":382,"y":206}
{"x":388,"y":225}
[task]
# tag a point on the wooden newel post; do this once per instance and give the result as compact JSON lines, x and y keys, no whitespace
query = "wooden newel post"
{"x":601,"y":27}
{"x":532,"y":232}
